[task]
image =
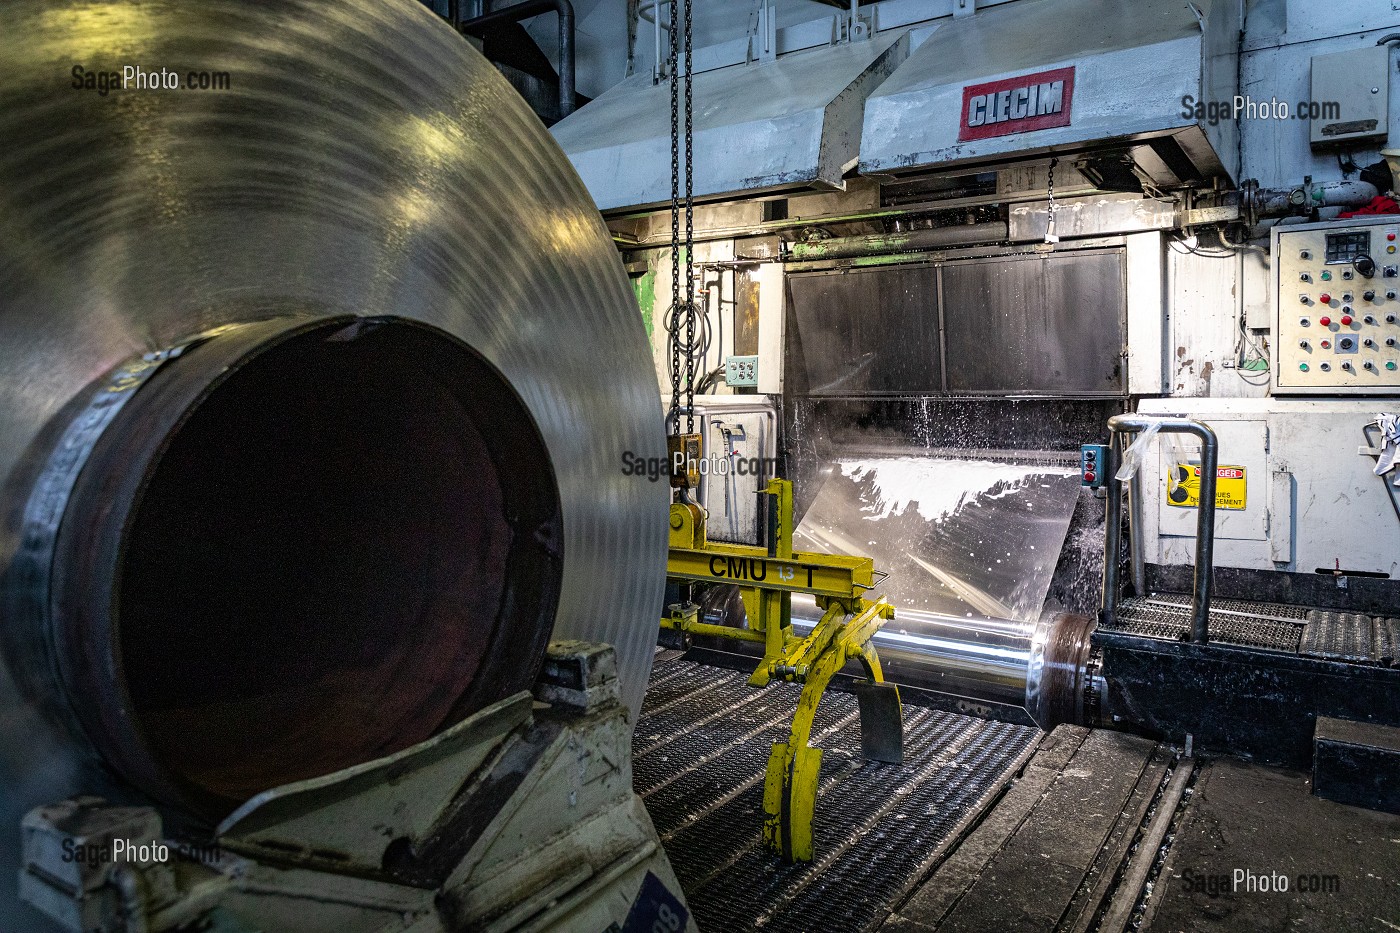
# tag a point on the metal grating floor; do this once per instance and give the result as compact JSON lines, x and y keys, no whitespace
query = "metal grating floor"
{"x":700,"y":750}
{"x":1232,"y":621}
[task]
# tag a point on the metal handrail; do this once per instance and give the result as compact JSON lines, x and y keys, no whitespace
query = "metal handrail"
{"x":1119,"y":425}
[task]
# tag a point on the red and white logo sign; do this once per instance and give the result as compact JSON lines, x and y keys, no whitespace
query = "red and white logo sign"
{"x":1017,"y":105}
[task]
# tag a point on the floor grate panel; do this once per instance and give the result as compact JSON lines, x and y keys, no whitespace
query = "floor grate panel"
{"x":700,"y":761}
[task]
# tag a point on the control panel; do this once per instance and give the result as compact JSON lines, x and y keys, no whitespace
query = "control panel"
{"x":740,"y":371}
{"x":1093,"y":460}
{"x":1337,"y":307}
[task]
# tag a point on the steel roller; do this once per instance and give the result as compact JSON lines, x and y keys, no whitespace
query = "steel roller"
{"x":316,"y":390}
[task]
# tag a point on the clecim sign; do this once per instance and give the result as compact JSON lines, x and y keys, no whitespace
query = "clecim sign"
{"x":1017,"y":105}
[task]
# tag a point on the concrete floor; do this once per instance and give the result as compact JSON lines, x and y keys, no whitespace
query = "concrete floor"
{"x":1108,"y":832}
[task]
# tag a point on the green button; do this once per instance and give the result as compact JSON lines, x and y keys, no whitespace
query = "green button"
{"x":1390,"y":365}
{"x":1326,"y":276}
{"x":1304,"y":366}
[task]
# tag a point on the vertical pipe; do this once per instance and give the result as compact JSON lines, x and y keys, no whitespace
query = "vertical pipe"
{"x":1136,"y":541}
{"x":1205,"y":535}
{"x":1112,"y":532}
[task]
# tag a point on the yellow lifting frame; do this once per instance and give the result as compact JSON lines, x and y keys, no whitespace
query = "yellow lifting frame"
{"x":767,"y":578}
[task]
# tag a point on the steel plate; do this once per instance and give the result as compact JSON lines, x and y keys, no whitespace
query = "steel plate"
{"x":364,"y":160}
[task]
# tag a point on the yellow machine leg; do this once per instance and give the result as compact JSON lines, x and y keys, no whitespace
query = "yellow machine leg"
{"x":794,"y":767}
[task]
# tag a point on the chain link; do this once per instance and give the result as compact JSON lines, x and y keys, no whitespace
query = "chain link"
{"x":691,"y":310}
{"x":1053,"y":208}
{"x":675,"y":366}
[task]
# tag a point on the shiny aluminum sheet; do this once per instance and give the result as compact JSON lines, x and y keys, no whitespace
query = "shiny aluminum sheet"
{"x":958,"y":537}
{"x":364,"y":160}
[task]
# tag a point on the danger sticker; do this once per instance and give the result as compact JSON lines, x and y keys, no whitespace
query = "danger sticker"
{"x":1184,"y":486}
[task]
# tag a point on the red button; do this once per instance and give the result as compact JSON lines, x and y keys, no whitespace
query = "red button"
{"x":1325,"y":298}
{"x":1390,"y":236}
{"x":1325,"y":321}
{"x":1346,"y":319}
{"x":1089,"y":476}
{"x":1326,"y":345}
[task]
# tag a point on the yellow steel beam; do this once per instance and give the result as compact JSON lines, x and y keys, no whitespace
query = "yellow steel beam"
{"x":820,"y":574}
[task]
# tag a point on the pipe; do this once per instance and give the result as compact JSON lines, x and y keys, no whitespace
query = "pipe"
{"x":1278,"y":202}
{"x":1112,"y":532}
{"x":1040,"y":666}
{"x":872,"y":244}
{"x":1205,"y":515}
{"x":1136,"y":542}
{"x":523,"y":11}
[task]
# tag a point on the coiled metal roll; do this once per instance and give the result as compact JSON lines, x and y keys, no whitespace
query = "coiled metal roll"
{"x":378,"y":364}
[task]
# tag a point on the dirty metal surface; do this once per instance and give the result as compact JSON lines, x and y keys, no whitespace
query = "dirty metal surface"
{"x":701,"y":747}
{"x":1232,"y":621}
{"x":1338,"y":636}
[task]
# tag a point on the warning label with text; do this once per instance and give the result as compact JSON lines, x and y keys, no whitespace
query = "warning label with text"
{"x":1184,"y":486}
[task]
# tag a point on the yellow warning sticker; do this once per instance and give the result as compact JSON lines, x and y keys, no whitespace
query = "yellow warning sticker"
{"x":1184,"y":486}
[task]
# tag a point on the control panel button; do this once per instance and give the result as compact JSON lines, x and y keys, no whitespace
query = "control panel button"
{"x":1368,"y":295}
{"x":1303,"y":367}
{"x":1325,"y":298}
{"x":1368,"y":342}
{"x":1326,"y":276}
{"x":1326,"y":367}
{"x":1368,"y":365}
{"x":1369,"y":319}
{"x":1325,"y":321}
{"x":1346,"y":320}
{"x":1326,"y":344}
{"x":1091,"y":458}
{"x":1390,"y":365}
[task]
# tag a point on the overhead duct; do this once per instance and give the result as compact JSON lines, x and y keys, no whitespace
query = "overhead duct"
{"x":1065,"y":77}
{"x":295,"y":474}
{"x":786,"y":124}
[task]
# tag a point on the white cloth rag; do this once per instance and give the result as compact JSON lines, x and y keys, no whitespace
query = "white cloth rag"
{"x":1390,"y":445}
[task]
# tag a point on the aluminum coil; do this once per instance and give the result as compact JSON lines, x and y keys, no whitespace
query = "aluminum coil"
{"x":364,"y":161}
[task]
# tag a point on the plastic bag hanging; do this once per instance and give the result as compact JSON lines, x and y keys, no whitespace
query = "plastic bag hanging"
{"x":1136,"y":453}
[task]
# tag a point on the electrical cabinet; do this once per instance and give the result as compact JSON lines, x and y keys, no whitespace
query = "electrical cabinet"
{"x":1350,"y":97}
{"x":1336,"y":310}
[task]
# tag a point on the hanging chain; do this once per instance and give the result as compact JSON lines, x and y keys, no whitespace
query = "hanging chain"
{"x":690,"y":308}
{"x":1050,"y":235}
{"x":675,"y":222}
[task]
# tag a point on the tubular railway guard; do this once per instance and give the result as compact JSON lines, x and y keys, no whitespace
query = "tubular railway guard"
{"x":767,"y":578}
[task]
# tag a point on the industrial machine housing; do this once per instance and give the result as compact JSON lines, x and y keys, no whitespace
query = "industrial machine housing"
{"x":1046,"y":400}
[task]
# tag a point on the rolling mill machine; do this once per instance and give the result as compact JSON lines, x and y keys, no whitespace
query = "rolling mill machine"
{"x":950,"y":324}
{"x":341,"y":586}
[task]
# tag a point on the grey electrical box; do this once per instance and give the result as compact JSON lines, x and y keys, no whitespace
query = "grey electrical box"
{"x":1350,"y":96}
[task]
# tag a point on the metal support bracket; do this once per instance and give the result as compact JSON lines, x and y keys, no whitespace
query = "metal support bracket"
{"x":767,"y":578}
